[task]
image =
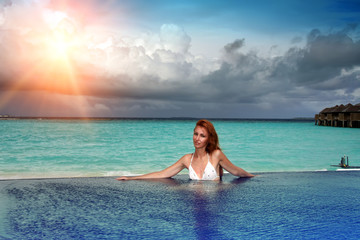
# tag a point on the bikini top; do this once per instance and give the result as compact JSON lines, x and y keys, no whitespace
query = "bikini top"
{"x":208,"y":174}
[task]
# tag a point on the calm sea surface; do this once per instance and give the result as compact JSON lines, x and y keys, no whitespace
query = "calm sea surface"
{"x":78,"y":148}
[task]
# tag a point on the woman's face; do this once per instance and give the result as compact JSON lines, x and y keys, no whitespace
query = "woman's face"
{"x":200,"y":137}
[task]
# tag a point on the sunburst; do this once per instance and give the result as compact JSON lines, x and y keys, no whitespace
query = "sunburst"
{"x":53,"y":68}
{"x":62,"y":41}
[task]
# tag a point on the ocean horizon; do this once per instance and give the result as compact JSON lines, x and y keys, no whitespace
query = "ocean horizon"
{"x":10,"y":117}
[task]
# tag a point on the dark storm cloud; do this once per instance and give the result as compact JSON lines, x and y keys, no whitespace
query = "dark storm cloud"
{"x":325,"y":56}
{"x":327,"y":62}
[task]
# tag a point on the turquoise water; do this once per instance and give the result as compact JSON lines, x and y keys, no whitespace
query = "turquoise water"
{"x":78,"y":148}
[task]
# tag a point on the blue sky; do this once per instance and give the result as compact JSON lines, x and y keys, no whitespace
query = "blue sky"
{"x":226,"y":59}
{"x":262,"y":21}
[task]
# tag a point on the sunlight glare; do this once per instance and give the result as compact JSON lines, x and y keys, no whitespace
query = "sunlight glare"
{"x":62,"y":40}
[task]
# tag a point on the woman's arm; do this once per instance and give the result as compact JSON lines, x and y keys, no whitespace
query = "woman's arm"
{"x":230,"y":167}
{"x":166,"y":173}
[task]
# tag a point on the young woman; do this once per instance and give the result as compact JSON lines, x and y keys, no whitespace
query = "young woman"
{"x":206,"y":163}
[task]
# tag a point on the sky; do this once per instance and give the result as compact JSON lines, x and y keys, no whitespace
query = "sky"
{"x":159,"y":58}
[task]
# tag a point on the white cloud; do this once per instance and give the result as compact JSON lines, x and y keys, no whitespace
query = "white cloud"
{"x":174,"y":38}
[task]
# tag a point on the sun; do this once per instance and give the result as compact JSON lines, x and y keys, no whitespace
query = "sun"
{"x":61,"y":45}
{"x":62,"y":40}
{"x":57,"y":72}
{"x":51,"y":53}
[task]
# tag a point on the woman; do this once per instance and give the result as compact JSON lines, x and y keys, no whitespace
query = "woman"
{"x":206,"y":163}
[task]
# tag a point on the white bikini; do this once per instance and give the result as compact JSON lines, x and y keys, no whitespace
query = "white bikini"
{"x":209,"y":171}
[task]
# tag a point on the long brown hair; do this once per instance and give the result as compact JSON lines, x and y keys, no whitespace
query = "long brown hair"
{"x":213,"y":141}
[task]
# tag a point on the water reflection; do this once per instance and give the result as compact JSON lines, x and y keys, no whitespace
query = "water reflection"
{"x":205,"y":199}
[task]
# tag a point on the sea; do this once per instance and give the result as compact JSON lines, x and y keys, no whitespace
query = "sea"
{"x":61,"y":148}
{"x":58,"y":181}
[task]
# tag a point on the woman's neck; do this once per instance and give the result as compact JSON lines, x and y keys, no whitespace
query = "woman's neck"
{"x":200,"y":152}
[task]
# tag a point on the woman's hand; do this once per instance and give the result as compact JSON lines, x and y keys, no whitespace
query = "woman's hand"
{"x":123,"y":178}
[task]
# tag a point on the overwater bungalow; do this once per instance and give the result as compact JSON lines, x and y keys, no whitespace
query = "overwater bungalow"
{"x":339,"y":116}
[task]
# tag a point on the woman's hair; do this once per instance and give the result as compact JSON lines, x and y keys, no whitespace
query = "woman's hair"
{"x":213,"y":141}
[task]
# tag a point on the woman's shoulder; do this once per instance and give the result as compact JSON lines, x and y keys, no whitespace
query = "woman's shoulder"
{"x":217,"y":153}
{"x":187,"y":157}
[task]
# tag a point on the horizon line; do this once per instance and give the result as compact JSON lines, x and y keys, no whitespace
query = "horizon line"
{"x":8,"y":117}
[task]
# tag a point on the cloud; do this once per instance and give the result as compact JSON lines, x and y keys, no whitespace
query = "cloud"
{"x":325,"y":56}
{"x":174,"y":39}
{"x":156,"y":72}
{"x":327,"y":63}
{"x":232,"y":47}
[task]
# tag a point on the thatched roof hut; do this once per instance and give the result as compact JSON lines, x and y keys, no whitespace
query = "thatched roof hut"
{"x":340,"y":115}
{"x":348,"y":108}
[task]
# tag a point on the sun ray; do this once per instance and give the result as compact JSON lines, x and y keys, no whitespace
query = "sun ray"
{"x":54,"y":67}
